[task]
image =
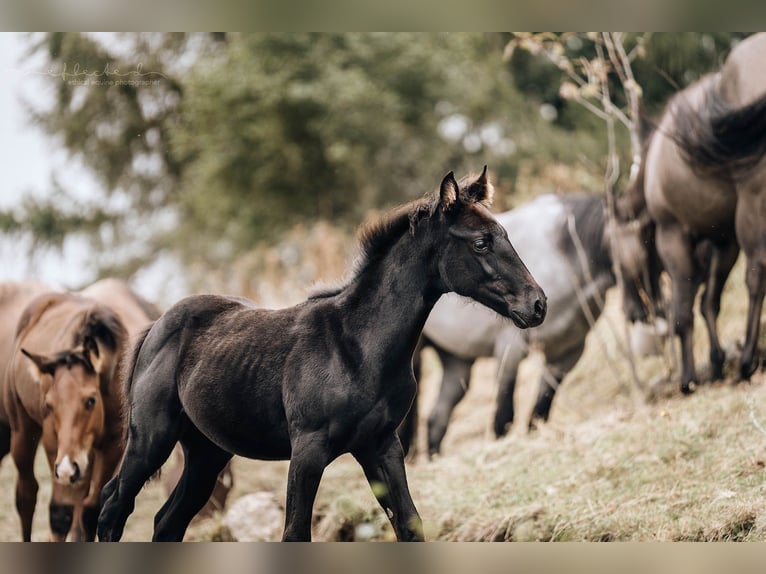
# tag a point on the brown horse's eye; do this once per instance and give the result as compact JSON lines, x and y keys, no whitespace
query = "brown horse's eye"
{"x":480,"y":245}
{"x":90,"y":402}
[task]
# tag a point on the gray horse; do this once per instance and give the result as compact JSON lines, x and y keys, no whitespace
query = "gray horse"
{"x":563,"y":240}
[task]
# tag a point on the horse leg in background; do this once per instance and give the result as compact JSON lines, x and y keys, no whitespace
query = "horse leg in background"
{"x":677,"y":254}
{"x":509,"y":354}
{"x":5,"y":438}
{"x":455,"y":381}
{"x":388,"y":480}
{"x":24,"y":441}
{"x":104,"y":465}
{"x":203,"y":461}
{"x":723,"y":258}
{"x":751,"y":213}
{"x":408,"y":429}
{"x":755,"y":279}
{"x":307,"y":463}
{"x":555,"y":370}
{"x":65,"y":512}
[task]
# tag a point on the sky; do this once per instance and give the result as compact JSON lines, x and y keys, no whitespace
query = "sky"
{"x":28,"y":158}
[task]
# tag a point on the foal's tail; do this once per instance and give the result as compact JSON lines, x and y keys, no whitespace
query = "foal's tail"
{"x":719,"y":140}
{"x":127,"y":371}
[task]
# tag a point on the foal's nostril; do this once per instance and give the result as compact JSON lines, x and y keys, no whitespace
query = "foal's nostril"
{"x":540,"y":308}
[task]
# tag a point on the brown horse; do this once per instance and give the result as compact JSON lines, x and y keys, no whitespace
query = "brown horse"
{"x":703,"y":182}
{"x":136,"y":314}
{"x":62,"y":388}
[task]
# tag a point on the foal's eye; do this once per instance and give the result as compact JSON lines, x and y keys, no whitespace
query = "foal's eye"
{"x":480,"y":245}
{"x":90,"y":402}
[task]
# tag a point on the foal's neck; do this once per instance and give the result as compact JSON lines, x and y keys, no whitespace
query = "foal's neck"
{"x":389,"y":301}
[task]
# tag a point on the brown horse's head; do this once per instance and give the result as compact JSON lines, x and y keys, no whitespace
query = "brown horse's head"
{"x":74,"y":386}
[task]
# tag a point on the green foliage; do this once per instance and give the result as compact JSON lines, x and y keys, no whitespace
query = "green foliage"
{"x":231,"y":140}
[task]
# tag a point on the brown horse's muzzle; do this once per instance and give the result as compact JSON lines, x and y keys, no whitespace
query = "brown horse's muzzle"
{"x":70,"y":470}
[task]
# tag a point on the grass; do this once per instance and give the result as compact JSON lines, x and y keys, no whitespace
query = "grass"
{"x":605,"y":468}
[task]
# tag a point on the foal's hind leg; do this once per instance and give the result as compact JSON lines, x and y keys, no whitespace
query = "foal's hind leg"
{"x":722,"y":260}
{"x":457,"y":374}
{"x":203,"y":460}
{"x":155,"y":424}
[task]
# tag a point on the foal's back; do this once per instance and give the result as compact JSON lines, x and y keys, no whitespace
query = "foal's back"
{"x":225,"y":360}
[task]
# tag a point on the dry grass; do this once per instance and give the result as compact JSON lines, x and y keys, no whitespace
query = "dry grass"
{"x":604,"y":468}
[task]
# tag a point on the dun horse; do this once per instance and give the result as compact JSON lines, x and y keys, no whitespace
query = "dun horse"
{"x":62,"y":388}
{"x":308,"y":383}
{"x":703,"y":193}
{"x":563,"y":240}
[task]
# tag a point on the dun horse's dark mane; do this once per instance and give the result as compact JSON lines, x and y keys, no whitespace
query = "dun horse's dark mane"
{"x":378,"y":235}
{"x":589,"y":213}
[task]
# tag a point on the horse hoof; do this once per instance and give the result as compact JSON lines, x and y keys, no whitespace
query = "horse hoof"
{"x":689,"y":388}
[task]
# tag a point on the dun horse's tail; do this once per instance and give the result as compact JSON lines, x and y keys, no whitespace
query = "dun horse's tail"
{"x":719,"y":140}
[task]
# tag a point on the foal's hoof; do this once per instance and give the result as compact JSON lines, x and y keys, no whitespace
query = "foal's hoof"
{"x":688,"y":388}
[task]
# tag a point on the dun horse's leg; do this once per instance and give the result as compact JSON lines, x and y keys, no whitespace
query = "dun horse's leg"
{"x":457,"y":374}
{"x":676,"y":251}
{"x":721,"y":263}
{"x":24,"y":441}
{"x":750,"y":217}
{"x":756,"y":285}
{"x":388,"y":480}
{"x":203,"y":461}
{"x":509,"y":355}
{"x":555,"y":371}
{"x":307,"y":463}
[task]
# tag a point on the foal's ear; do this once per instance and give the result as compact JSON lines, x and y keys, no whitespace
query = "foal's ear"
{"x":480,"y":191}
{"x":41,"y":365}
{"x":448,"y":192}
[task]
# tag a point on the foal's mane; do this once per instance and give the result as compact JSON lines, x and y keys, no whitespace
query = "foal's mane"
{"x":378,"y":235}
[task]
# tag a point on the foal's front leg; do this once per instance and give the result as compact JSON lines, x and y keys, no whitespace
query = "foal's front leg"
{"x":307,"y":463}
{"x":385,"y":473}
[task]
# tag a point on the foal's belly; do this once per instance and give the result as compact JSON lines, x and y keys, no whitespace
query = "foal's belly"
{"x":241,"y":424}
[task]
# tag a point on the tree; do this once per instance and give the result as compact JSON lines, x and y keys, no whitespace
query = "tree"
{"x":210,"y":143}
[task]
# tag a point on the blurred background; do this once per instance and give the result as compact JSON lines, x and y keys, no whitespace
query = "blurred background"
{"x":243,"y":162}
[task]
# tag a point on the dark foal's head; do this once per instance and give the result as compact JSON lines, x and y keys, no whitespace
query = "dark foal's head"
{"x":73,"y":404}
{"x":478,"y":260}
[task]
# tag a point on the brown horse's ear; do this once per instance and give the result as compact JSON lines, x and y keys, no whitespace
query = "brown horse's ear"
{"x":95,"y":355}
{"x":40,"y":365}
{"x":448,"y":192}
{"x":480,"y":191}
